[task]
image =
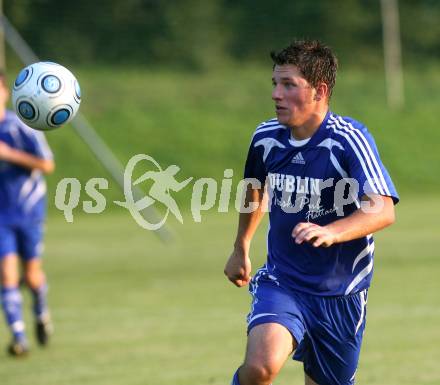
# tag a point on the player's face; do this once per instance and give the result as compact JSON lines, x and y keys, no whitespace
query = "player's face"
{"x":294,"y":97}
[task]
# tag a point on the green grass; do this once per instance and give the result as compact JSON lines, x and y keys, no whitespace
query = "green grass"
{"x":131,"y":310}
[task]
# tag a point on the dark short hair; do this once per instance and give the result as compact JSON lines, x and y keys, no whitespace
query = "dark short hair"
{"x":316,"y":61}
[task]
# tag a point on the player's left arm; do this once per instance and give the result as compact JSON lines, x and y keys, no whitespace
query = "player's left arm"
{"x":359,"y":224}
{"x":25,"y":159}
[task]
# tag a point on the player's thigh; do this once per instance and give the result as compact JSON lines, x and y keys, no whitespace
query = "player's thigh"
{"x":30,"y":244}
{"x":30,"y":240}
{"x":330,"y":350}
{"x":273,"y":304}
{"x":9,"y":273}
{"x":268,"y":346}
{"x":8,"y":241}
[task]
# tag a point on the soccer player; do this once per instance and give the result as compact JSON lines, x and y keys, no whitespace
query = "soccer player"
{"x":327,"y":192}
{"x":24,"y":157}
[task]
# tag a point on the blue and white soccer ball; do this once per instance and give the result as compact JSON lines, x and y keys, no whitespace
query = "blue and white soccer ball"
{"x":46,"y":95}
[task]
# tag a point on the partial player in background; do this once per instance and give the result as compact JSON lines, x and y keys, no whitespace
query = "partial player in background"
{"x":24,"y":157}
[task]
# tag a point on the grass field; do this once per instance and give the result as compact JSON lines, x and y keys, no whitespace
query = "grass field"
{"x":131,"y":310}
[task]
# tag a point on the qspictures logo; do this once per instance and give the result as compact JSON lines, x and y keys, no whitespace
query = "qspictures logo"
{"x":164,"y":181}
{"x":291,"y":193}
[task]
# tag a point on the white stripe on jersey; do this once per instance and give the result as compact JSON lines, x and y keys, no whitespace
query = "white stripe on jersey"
{"x":364,"y":272}
{"x":268,"y":144}
{"x":370,"y":151}
{"x":28,"y":184}
{"x":267,"y":122}
{"x":355,"y":134}
{"x":267,"y":128}
{"x":366,"y":158}
{"x":337,"y":166}
{"x":255,"y":280}
{"x":364,"y":253}
{"x":259,"y":316}
{"x":329,"y":143}
{"x":361,"y":160}
{"x":267,"y":234}
{"x":35,"y":196}
{"x":363,"y":298}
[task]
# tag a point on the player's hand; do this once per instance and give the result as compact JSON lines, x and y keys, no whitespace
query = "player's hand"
{"x":5,"y":151}
{"x":314,"y":234}
{"x":238,"y":268}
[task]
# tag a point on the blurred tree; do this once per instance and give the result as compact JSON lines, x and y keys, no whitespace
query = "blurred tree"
{"x":352,"y":27}
{"x":197,"y":34}
{"x":420,"y":28}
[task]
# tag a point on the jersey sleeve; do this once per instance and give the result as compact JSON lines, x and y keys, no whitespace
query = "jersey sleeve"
{"x":254,"y":166}
{"x":365,"y":166}
{"x":35,"y":143}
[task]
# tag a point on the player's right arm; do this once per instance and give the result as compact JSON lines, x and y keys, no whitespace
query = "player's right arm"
{"x":238,"y":266}
{"x":24,"y":159}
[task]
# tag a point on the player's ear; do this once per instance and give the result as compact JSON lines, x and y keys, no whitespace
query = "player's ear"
{"x":321,"y":92}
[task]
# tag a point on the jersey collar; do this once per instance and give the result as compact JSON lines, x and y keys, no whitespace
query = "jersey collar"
{"x":320,"y":134}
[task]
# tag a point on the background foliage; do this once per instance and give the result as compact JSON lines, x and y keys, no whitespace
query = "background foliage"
{"x":195,"y":34}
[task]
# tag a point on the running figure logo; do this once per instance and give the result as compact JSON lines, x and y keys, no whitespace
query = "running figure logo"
{"x":163,"y":182}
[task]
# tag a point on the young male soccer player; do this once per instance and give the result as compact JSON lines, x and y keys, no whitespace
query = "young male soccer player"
{"x":24,"y":156}
{"x":310,"y":296}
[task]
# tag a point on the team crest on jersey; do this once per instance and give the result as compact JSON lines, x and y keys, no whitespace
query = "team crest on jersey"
{"x":298,"y":159}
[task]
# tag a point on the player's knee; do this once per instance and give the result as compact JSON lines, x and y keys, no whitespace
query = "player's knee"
{"x":261,"y":372}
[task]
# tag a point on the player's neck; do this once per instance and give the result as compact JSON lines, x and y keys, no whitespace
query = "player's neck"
{"x":2,"y":114}
{"x":309,"y":127}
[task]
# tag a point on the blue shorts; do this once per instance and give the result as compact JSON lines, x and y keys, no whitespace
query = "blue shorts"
{"x":328,"y":330}
{"x":26,"y":240}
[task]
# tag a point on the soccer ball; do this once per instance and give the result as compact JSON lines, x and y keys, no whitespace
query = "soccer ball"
{"x":46,"y":95}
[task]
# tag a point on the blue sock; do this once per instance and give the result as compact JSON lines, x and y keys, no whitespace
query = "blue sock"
{"x":40,"y":301}
{"x":235,"y":379}
{"x":12,"y":307}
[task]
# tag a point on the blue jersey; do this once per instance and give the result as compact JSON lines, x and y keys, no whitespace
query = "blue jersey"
{"x":22,"y":191}
{"x":302,"y":178}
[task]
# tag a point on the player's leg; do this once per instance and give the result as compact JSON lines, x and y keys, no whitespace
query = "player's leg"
{"x":274,"y":327}
{"x":10,"y":270}
{"x":30,"y":243}
{"x":330,"y":350}
{"x":10,"y":293}
{"x":268,"y":347}
{"x":36,"y":281}
{"x":12,"y":302}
